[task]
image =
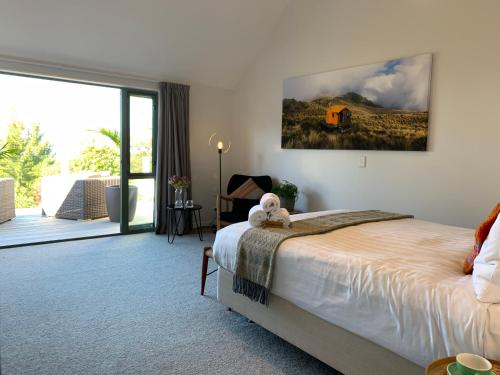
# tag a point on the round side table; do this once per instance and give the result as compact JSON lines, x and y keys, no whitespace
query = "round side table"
{"x":176,"y":214}
{"x":438,"y":367}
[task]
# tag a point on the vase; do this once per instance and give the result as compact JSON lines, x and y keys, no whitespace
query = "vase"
{"x":180,"y":197}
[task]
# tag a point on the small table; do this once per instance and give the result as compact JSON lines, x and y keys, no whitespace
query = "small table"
{"x":173,"y":220}
{"x":438,"y":367}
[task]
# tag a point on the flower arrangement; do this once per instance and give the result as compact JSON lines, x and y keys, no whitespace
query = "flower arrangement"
{"x":179,"y":182}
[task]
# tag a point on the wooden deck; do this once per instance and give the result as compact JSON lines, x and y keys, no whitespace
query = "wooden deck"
{"x":30,"y":226}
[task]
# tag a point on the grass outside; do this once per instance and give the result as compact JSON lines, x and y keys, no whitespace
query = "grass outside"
{"x":372,"y":127}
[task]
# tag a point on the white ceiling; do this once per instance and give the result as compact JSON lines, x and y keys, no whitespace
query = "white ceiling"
{"x":205,"y":41}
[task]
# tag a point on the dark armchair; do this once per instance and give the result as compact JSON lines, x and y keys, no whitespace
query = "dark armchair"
{"x":235,"y":209}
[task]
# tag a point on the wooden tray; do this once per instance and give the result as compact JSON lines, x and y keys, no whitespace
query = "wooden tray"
{"x":439,"y":367}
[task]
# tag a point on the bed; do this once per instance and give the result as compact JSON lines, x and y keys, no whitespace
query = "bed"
{"x":389,"y":296}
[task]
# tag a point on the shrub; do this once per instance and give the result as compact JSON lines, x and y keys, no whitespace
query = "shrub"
{"x":33,"y":155}
{"x":97,"y":159}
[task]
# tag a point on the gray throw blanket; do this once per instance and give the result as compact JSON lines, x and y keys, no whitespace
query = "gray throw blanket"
{"x":257,"y":247}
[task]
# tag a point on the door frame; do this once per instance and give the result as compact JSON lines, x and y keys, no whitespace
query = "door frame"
{"x":125,"y":174}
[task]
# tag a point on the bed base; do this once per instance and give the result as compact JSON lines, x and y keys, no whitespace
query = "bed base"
{"x":331,"y":344}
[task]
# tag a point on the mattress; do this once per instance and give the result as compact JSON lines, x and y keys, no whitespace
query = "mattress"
{"x":397,"y":283}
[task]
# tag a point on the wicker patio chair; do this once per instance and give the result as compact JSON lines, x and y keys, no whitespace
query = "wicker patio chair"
{"x":7,"y":199}
{"x":83,"y":199}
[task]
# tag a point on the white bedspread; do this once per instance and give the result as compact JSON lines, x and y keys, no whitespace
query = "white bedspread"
{"x":397,"y":283}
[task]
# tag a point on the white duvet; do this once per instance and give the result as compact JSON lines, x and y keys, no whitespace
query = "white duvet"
{"x":397,"y":283}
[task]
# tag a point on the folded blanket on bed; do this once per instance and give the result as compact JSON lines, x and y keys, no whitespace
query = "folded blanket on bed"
{"x":257,"y":247}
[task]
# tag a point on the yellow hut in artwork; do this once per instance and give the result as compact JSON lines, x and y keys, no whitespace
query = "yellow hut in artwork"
{"x":337,"y":117}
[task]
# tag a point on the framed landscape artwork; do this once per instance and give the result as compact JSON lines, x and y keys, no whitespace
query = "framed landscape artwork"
{"x":381,"y":106}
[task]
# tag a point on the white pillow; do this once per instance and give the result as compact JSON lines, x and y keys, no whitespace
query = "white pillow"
{"x":486,"y":274}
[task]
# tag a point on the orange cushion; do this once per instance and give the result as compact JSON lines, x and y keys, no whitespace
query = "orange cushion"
{"x":482,"y":232}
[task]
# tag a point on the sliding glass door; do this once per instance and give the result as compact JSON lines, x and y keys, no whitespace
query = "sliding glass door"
{"x":59,"y":159}
{"x":77,"y":160}
{"x":138,"y":160}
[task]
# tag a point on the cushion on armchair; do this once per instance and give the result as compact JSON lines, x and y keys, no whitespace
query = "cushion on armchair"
{"x":245,"y":192}
{"x":249,"y":190}
{"x":236,"y":180}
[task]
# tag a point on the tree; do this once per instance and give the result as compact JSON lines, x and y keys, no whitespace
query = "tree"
{"x":97,"y":159}
{"x":7,"y":152}
{"x":107,"y":158}
{"x":33,"y":155}
{"x":111,"y":134}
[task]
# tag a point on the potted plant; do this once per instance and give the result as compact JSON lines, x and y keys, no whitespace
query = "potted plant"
{"x":287,"y":192}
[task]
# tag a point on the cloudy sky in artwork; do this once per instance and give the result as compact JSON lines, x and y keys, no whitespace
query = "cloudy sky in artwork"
{"x":397,"y":84}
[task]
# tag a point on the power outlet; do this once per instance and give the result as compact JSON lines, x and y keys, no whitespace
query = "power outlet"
{"x":362,"y":161}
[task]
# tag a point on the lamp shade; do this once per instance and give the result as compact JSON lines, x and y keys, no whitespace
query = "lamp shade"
{"x":219,"y":142}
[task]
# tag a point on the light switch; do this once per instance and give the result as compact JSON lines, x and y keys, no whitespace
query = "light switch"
{"x":362,"y":161}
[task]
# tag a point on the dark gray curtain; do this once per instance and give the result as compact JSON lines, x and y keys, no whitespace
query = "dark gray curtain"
{"x":173,"y":146}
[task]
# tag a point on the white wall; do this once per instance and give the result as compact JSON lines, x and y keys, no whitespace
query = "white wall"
{"x":457,"y":181}
{"x":210,"y":112}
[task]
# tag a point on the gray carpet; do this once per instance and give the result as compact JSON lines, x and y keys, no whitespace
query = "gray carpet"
{"x":127,"y":305}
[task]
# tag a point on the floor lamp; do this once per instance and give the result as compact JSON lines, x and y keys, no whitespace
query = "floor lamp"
{"x":220,"y":151}
{"x":220,"y":146}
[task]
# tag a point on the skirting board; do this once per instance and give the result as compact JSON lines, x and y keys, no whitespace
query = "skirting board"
{"x":331,"y":344}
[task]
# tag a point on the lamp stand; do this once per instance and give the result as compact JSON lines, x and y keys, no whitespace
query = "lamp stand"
{"x":220,"y":176}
